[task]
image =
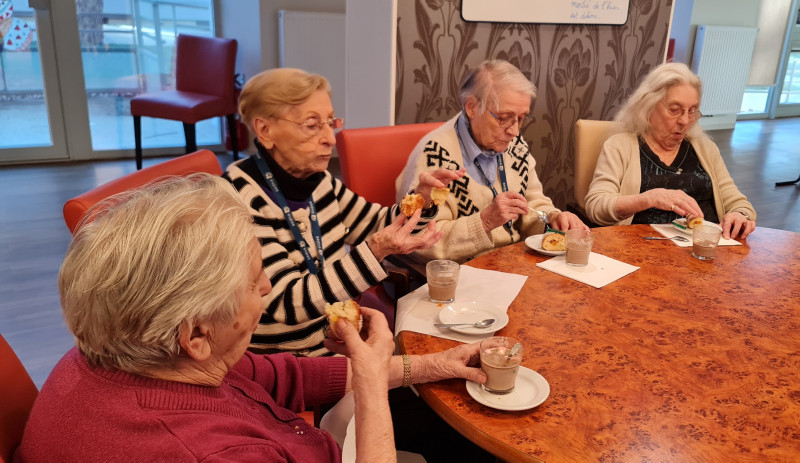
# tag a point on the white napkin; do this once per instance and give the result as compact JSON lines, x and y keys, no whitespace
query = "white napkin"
{"x":669,"y":231}
{"x":600,"y":270}
{"x":416,"y":313}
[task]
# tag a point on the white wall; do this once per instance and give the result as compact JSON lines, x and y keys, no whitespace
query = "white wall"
{"x":238,"y":20}
{"x":270,"y":56}
{"x":371,"y":42}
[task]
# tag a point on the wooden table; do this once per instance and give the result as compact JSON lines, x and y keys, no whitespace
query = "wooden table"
{"x":682,"y":360}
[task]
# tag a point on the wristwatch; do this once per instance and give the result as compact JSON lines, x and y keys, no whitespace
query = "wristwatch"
{"x":745,"y":214}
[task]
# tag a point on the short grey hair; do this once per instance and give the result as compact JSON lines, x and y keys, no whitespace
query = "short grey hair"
{"x":634,"y":116}
{"x":152,"y":261}
{"x":270,"y":93}
{"x":485,"y":80}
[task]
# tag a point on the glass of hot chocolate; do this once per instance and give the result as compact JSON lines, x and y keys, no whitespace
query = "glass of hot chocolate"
{"x":705,"y":238}
{"x":579,"y":246}
{"x":442,"y":280}
{"x":500,"y":359}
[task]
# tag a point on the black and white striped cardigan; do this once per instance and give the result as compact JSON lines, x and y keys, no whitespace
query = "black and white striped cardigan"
{"x":293,"y":318}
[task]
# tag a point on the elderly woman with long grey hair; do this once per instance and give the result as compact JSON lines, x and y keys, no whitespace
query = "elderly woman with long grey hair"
{"x":661,"y":166}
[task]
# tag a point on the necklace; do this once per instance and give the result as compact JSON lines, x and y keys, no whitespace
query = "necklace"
{"x":679,"y":169}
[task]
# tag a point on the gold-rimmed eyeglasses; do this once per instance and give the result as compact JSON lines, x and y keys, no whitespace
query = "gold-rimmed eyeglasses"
{"x":506,"y":121}
{"x":314,"y":125}
{"x":677,"y":111}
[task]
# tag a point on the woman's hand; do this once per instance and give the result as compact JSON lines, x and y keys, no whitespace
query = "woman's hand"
{"x":566,"y":221}
{"x":399,"y":237}
{"x":438,"y":178}
{"x":370,"y":357}
{"x":672,"y":200}
{"x":504,"y":207}
{"x":459,"y":362}
{"x":735,"y":224}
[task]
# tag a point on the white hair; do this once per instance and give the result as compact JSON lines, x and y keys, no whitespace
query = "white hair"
{"x":150,"y":261}
{"x":484,"y":82}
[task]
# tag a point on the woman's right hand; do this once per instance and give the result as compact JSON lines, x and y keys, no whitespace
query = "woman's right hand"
{"x":672,"y":200}
{"x":399,"y":237}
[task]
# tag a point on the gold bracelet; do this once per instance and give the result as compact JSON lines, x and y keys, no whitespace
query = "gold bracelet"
{"x":406,"y":370}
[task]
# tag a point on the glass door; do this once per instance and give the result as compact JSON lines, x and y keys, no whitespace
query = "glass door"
{"x":31,"y":118}
{"x":789,"y":98}
{"x":104,"y":52}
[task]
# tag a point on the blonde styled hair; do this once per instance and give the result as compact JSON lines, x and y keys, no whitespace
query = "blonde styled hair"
{"x":634,"y":116}
{"x":270,"y":93}
{"x":484,"y":82}
{"x":153,"y":260}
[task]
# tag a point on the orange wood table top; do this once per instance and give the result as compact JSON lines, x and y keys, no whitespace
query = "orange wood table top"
{"x":682,"y":360}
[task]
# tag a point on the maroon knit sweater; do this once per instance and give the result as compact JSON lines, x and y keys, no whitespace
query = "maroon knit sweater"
{"x":88,"y":414}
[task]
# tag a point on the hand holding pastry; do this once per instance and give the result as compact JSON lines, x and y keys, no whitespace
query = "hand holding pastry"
{"x":438,"y":178}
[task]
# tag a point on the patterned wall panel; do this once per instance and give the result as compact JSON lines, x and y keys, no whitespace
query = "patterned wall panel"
{"x":581,"y":72}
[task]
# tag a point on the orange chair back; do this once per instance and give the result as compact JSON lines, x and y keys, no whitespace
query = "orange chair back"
{"x":372,"y":158}
{"x":199,"y":161}
{"x":17,"y":394}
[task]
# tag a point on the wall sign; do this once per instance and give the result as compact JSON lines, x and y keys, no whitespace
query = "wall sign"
{"x":546,"y":11}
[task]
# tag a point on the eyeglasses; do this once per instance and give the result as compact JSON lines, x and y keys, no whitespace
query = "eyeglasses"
{"x":506,"y":122}
{"x":676,"y":111}
{"x":312,"y":126}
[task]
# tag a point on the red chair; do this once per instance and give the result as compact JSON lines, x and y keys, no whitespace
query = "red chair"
{"x":17,"y":393}
{"x":204,"y":88}
{"x":372,"y":158}
{"x":201,"y":161}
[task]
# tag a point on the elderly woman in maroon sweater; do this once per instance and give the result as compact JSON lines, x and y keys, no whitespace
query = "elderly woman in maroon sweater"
{"x":162,"y":290}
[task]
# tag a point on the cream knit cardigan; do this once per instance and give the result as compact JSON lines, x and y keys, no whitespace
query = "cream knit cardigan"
{"x":459,"y":218}
{"x":619,"y":173}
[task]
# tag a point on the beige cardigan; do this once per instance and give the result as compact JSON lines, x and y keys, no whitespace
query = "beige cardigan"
{"x":619,"y":173}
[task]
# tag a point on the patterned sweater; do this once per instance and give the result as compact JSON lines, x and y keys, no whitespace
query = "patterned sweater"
{"x":464,"y":237}
{"x":293,"y":318}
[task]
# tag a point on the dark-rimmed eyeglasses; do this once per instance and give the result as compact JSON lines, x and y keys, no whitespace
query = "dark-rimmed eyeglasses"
{"x":506,"y":121}
{"x":676,"y":111}
{"x":313,"y":126}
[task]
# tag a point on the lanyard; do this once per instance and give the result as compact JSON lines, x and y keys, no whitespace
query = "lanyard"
{"x":503,"y":182}
{"x":287,"y":214}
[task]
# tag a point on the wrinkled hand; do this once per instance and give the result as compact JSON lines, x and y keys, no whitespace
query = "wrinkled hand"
{"x":735,"y":224}
{"x":504,"y":207}
{"x":673,"y":200}
{"x":438,"y":178}
{"x":566,"y":221}
{"x":399,"y":237}
{"x":369,"y":357}
{"x":459,"y":362}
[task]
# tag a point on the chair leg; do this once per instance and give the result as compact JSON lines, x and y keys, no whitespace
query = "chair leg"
{"x":191,"y":141}
{"x":233,"y":130}
{"x":137,"y":136}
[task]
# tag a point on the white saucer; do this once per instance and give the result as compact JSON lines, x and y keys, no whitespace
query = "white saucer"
{"x":535,"y":242}
{"x":531,"y":390}
{"x":471,"y":312}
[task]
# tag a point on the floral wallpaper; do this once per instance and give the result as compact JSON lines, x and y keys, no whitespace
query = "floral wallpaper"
{"x":580,"y":71}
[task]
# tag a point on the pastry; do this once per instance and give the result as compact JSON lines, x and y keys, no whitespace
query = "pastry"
{"x":692,"y":221}
{"x":439,"y":195}
{"x":349,"y":310}
{"x":554,"y":242}
{"x":411,"y":203}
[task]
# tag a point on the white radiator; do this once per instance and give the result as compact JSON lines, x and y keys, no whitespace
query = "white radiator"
{"x":721,"y":58}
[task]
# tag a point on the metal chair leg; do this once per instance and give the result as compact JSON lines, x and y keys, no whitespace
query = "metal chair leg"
{"x":233,"y":131}
{"x":191,"y":140}
{"x":137,"y":136}
{"x":790,"y":182}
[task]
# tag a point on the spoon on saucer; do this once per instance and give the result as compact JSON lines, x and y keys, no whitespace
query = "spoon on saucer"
{"x":481,"y":324}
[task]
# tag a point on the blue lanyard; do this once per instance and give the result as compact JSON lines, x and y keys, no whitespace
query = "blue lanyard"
{"x":316,"y":232}
{"x":501,"y":169}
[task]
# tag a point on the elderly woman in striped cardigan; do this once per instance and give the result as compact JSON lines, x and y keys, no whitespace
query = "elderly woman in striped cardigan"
{"x":307,"y":218}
